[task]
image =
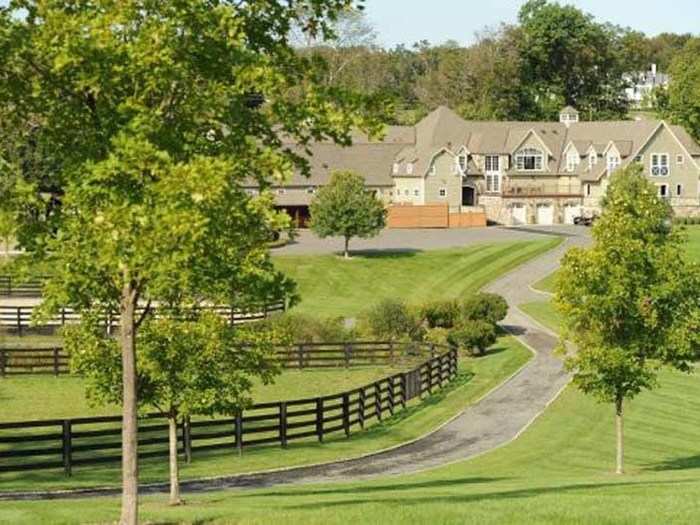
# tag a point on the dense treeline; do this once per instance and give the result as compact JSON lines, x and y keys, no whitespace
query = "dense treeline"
{"x":553,"y":56}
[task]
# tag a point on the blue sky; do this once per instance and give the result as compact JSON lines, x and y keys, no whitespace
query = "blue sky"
{"x":407,"y":21}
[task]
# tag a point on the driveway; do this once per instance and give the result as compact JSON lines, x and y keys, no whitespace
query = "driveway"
{"x":425,"y":239}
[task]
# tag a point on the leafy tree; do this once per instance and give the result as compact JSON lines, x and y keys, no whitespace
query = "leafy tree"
{"x":683,"y":102}
{"x":473,"y":335}
{"x":441,"y":314}
{"x":149,"y":112}
{"x":569,"y":58}
{"x":185,"y":368}
{"x":630,"y":302}
{"x":346,"y":208}
{"x":483,"y":306}
{"x":394,"y":320}
{"x":7,"y":230}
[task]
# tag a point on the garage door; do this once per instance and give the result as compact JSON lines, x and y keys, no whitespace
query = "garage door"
{"x":570,"y":213}
{"x":519,"y":214}
{"x":545,"y":214}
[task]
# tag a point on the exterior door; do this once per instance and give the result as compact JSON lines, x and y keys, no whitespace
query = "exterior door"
{"x":519,"y":213}
{"x":468,"y":196}
{"x":545,"y":214}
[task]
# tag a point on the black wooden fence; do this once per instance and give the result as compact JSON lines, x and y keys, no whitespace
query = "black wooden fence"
{"x":54,"y":360}
{"x":18,"y":319}
{"x":15,"y":287}
{"x":68,"y":443}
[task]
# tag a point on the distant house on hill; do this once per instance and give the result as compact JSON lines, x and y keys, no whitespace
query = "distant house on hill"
{"x":642,"y":86}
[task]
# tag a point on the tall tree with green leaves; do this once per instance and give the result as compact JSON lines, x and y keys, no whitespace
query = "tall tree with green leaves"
{"x":346,"y":208}
{"x":151,"y":113}
{"x":683,"y":98}
{"x":569,"y":58}
{"x":631,"y":302}
{"x":186,"y":367}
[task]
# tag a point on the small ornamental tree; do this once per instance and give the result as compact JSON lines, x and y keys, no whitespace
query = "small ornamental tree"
{"x":631,"y":302}
{"x":489,"y":307}
{"x":185,"y":368}
{"x":346,"y":208}
{"x":474,"y":336}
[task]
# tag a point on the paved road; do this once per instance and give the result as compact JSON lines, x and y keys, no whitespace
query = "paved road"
{"x":494,"y":421}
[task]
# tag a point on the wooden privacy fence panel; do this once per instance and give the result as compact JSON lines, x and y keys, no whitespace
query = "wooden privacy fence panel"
{"x":19,"y":318}
{"x":54,"y":360}
{"x":66,"y":444}
{"x":418,"y":216}
{"x":14,"y":287}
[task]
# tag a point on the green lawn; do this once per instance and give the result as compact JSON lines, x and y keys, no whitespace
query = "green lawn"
{"x":477,"y":376}
{"x":544,"y":313}
{"x":331,"y":286}
{"x":558,"y":472}
{"x":49,"y":397}
{"x":546,"y":284}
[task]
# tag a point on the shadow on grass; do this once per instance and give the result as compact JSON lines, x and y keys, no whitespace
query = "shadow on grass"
{"x":389,"y":253}
{"x":352,"y":500}
{"x":683,"y":463}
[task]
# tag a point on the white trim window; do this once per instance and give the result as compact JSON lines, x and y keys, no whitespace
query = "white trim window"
{"x":416,"y":192}
{"x":311,"y":190}
{"x":281,"y":191}
{"x":442,"y":192}
{"x":639,"y":158}
{"x":592,"y":160}
{"x":492,"y":164}
{"x":409,"y":168}
{"x":529,"y":159}
{"x":433,"y":170}
{"x":613,"y":162}
{"x":462,"y":162}
{"x":572,"y":160}
{"x":588,"y":190}
{"x":679,"y":190}
{"x":680,"y":159}
{"x":660,"y":165}
{"x":395,"y":169}
{"x":493,"y":182}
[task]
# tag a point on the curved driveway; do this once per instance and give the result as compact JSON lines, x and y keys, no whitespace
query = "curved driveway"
{"x":494,"y":421}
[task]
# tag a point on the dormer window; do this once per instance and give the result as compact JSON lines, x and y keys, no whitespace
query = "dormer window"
{"x":613,"y":162}
{"x":529,"y":159}
{"x":462,"y":162}
{"x":409,"y":168}
{"x":432,"y":169}
{"x":395,"y":169}
{"x":572,"y":160}
{"x":592,"y":159}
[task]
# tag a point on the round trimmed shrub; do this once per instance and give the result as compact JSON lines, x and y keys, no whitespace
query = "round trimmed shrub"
{"x":473,"y":336}
{"x":489,"y":307}
{"x":441,"y":314}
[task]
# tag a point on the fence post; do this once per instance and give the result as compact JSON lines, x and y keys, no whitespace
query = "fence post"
{"x":403,"y":390}
{"x":346,"y":350}
{"x":67,"y":447}
{"x":187,"y":439}
{"x":319,"y":419}
{"x":2,"y":363}
{"x":391,"y":351}
{"x":55,"y":361}
{"x":300,"y":350}
{"x":346,"y":414}
{"x":283,"y":424}
{"x":378,"y":400}
{"x":391,"y":396}
{"x":361,"y":408}
{"x":19,"y":321}
{"x":239,"y":432}
{"x":63,"y":315}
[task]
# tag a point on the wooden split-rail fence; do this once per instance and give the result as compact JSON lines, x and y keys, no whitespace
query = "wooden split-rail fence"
{"x":55,"y":361}
{"x":15,"y":287}
{"x":69,"y":443}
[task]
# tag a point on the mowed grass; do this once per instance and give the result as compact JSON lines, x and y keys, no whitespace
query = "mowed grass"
{"x":476,"y":377}
{"x":559,"y":471}
{"x":332,"y":286}
{"x":49,"y":397}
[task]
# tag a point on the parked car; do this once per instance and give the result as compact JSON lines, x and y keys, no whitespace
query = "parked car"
{"x":584,"y":220}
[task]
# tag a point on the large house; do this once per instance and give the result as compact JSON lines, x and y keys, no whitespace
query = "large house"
{"x":516,"y":172}
{"x":642,"y":86}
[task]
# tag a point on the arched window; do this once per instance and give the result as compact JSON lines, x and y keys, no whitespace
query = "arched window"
{"x":462,"y":159}
{"x":529,"y":159}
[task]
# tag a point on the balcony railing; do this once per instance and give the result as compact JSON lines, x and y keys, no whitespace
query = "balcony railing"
{"x":540,"y":190}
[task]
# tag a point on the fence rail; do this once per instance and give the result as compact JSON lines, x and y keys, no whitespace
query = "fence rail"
{"x":15,"y":287}
{"x":69,"y":443}
{"x":18,"y":319}
{"x":54,"y":360}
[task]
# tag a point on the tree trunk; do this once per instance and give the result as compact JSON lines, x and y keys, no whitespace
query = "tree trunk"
{"x":130,"y":471}
{"x":620,"y":436}
{"x":174,"y":471}
{"x":346,"y":252}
